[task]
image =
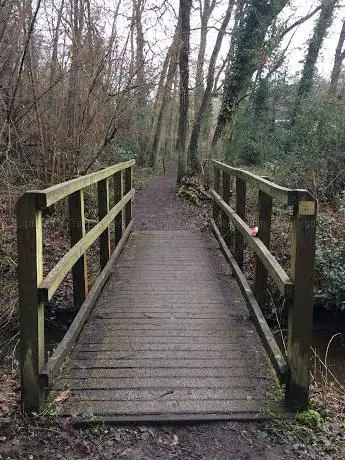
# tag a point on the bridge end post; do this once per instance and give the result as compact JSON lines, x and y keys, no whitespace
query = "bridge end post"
{"x":300,"y":313}
{"x":30,"y":275}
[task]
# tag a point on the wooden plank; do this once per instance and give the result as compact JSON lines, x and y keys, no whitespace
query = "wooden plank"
{"x":153,"y":363}
{"x":265,"y":217}
{"x":251,"y":393}
{"x":87,"y":420}
{"x":48,"y":372}
{"x":282,"y":194}
{"x":216,"y":186}
{"x":128,"y":186}
{"x":153,"y":382}
{"x":275,"y":271}
{"x":49,"y":196}
{"x":241,"y":212}
{"x":118,"y":195}
{"x":77,"y":232}
{"x":301,"y":309}
{"x":103,"y":209}
{"x":55,"y":277}
{"x":226,"y":198}
{"x":160,"y":407}
{"x":262,"y":327}
{"x":30,"y":275}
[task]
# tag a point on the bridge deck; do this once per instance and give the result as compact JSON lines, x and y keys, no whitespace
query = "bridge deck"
{"x":170,"y":338}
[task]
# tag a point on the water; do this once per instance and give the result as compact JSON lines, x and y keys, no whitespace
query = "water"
{"x":334,"y":358}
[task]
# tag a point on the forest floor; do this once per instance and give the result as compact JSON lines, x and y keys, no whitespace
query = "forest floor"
{"x":47,"y":437}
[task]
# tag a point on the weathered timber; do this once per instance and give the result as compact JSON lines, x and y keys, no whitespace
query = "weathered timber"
{"x":77,"y":232}
{"x":241,"y":212}
{"x":270,"y":344}
{"x":103,"y":209}
{"x":30,"y":275}
{"x":276,"y":272}
{"x":189,"y":361}
{"x":48,"y":372}
{"x":118,"y":195}
{"x":216,"y":186}
{"x":282,"y":194}
{"x":54,"y":278}
{"x":301,"y":308}
{"x":128,"y":187}
{"x":265,"y":216}
{"x":49,"y":196}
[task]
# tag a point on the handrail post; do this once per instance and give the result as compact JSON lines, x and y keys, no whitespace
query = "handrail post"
{"x":265,"y":218}
{"x":118,"y":195}
{"x":103,"y":209}
{"x":77,"y":231}
{"x":216,"y":187}
{"x":226,"y":198}
{"x":301,"y":309}
{"x":241,"y":211}
{"x":30,"y":275}
{"x":128,"y":187}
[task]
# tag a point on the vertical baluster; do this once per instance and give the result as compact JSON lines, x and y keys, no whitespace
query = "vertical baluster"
{"x":241,"y":211}
{"x":30,"y":276}
{"x":77,"y":231}
{"x":103,"y":209}
{"x":265,"y":218}
{"x":301,"y":308}
{"x":118,"y":195}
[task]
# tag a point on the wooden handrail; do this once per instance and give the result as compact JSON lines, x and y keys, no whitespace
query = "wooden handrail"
{"x":34,"y":289}
{"x":282,"y":280}
{"x":296,"y":288}
{"x":282,"y":194}
{"x":49,"y":196}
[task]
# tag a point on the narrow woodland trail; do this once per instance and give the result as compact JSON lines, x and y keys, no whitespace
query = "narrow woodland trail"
{"x":158,"y":208}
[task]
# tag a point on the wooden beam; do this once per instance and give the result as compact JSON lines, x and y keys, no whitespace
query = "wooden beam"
{"x":268,"y":340}
{"x":241,"y":211}
{"x":128,"y":186}
{"x":282,"y":194}
{"x":118,"y":195}
{"x":77,"y":232}
{"x":103,"y":209}
{"x":301,"y":309}
{"x":30,"y":275}
{"x":265,"y":217}
{"x":276,"y":272}
{"x":216,"y":185}
{"x":49,"y":371}
{"x":54,"y":278}
{"x":49,"y":196}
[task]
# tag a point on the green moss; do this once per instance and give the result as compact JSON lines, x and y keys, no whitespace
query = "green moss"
{"x":310,"y":418}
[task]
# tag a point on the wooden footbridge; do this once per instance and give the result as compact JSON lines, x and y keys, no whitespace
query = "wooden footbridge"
{"x":170,"y":329}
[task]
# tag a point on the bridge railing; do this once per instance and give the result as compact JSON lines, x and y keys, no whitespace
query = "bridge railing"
{"x":35,"y":289}
{"x":296,"y":287}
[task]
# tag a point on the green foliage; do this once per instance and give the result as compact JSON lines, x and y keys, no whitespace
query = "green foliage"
{"x":310,"y":418}
{"x":329,"y":265}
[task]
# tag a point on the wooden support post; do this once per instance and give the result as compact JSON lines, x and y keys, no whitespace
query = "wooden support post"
{"x":226,"y":198}
{"x":77,"y":231}
{"x":128,"y":187}
{"x":265,"y":218}
{"x":103,"y":209}
{"x":216,"y":186}
{"x":118,"y":195}
{"x":301,"y":308}
{"x":30,"y":275}
{"x":241,"y":211}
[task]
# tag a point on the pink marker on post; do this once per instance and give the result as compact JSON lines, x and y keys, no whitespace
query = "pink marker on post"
{"x":254,"y":231}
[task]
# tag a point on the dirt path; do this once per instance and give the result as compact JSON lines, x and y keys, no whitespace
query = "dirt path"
{"x":157,"y":207}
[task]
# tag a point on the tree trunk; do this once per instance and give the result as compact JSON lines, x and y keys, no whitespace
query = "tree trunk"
{"x":257,"y":18}
{"x":194,"y":141}
{"x":338,"y":60}
{"x":185,"y":8}
{"x":315,"y":44}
